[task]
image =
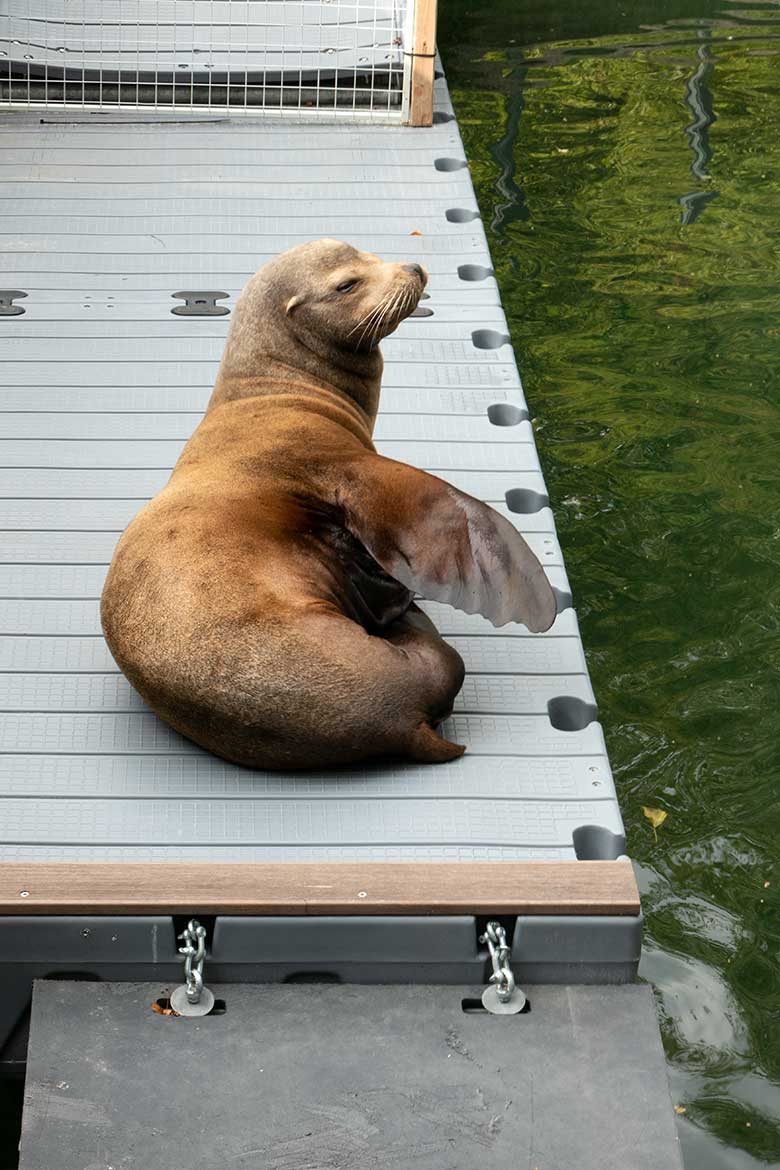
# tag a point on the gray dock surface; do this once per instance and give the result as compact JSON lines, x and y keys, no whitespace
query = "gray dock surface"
{"x":103,"y":218}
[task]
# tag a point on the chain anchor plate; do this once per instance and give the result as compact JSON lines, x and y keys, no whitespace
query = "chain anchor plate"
{"x":200,"y":304}
{"x":502,"y":996}
{"x":7,"y":298}
{"x":193,"y":998}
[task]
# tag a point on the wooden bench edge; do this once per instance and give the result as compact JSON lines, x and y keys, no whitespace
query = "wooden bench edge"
{"x":314,"y":888}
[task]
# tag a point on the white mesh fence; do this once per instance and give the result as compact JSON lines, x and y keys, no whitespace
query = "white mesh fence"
{"x":343,"y":57}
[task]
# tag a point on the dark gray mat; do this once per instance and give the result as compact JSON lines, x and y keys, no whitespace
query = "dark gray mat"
{"x":314,"y":1077}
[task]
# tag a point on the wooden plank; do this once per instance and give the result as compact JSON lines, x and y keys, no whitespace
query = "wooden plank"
{"x":501,"y":887}
{"x":423,"y":51}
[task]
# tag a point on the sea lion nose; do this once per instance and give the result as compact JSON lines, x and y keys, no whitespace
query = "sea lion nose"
{"x":415,"y":269}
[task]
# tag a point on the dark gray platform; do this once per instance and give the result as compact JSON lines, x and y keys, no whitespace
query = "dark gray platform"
{"x":313,"y":1077}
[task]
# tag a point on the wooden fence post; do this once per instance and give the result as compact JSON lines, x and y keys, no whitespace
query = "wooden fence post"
{"x":423,"y":50}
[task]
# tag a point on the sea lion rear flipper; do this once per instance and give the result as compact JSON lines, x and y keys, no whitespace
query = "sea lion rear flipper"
{"x":443,"y":544}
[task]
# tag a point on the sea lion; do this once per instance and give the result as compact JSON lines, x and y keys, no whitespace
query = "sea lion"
{"x":262,"y":602}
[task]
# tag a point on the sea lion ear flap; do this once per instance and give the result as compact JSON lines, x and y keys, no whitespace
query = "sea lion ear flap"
{"x":293,"y":303}
{"x":443,"y":544}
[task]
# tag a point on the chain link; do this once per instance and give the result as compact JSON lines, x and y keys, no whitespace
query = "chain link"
{"x":194,"y":951}
{"x":502,"y":977}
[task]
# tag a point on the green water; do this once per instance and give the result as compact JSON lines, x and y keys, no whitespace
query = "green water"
{"x":627,"y":164}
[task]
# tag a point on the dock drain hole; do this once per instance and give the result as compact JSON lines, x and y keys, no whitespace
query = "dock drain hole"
{"x":568,"y":713}
{"x":596,"y":843}
{"x":162,"y":1007}
{"x":460,"y":215}
{"x":474,"y":1007}
{"x":474,"y":272}
{"x":524,"y":501}
{"x":488,"y":339}
{"x":563,"y":599}
{"x":506,"y":414}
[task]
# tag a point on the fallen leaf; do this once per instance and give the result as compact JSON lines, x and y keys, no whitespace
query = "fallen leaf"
{"x":163,"y":1011}
{"x":656,"y":817}
{"x":415,"y":233}
{"x":680,"y":1109}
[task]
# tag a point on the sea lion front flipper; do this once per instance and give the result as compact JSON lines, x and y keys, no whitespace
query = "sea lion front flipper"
{"x":443,"y":544}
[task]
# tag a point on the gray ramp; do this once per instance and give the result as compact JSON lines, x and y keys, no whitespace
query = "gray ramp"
{"x":349,"y":1077}
{"x":100,"y":225}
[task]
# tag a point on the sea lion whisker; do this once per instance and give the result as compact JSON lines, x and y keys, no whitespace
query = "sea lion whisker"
{"x":377,"y":324}
{"x":391,"y":308}
{"x":369,"y":319}
{"x":375,"y":321}
{"x":411,"y":296}
{"x":369,"y":325}
{"x":376,"y":308}
{"x":370,"y":313}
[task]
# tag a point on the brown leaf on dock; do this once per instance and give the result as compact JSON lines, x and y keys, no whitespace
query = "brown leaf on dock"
{"x":163,"y":1011}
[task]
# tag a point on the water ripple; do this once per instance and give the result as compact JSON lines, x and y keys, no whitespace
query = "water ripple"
{"x":627,"y":164}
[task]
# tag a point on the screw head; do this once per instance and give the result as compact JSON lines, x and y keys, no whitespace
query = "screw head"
{"x":24,"y":893}
{"x":362,"y":894}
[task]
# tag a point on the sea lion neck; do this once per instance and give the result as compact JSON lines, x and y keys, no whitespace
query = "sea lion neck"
{"x":263,"y":350}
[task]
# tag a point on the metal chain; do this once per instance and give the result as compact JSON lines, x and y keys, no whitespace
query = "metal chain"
{"x":503,"y":977}
{"x":194,"y":951}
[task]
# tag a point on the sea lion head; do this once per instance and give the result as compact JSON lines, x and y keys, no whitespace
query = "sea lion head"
{"x":318,"y":312}
{"x":351,"y":298}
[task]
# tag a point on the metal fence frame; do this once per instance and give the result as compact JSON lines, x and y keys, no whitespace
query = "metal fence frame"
{"x":350,"y":59}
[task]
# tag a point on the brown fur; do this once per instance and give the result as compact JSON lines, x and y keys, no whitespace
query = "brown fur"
{"x":240,"y":603}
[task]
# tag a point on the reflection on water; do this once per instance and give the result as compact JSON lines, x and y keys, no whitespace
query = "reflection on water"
{"x":627,"y":163}
{"x":698,"y":96}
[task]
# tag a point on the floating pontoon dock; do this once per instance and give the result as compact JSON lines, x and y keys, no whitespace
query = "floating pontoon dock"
{"x":127,"y":231}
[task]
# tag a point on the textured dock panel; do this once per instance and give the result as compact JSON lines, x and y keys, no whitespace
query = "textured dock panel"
{"x":103,"y":384}
{"x":349,"y":1077}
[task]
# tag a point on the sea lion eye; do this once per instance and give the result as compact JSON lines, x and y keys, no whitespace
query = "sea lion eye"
{"x":346,"y":286}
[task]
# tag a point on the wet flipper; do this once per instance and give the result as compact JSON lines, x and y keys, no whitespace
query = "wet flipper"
{"x":443,"y":544}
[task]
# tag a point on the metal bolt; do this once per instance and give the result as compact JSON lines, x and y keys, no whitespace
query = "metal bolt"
{"x":24,"y":893}
{"x":362,"y":894}
{"x":85,"y":932}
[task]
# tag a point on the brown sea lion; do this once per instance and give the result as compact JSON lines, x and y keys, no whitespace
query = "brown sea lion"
{"x":261,"y":603}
